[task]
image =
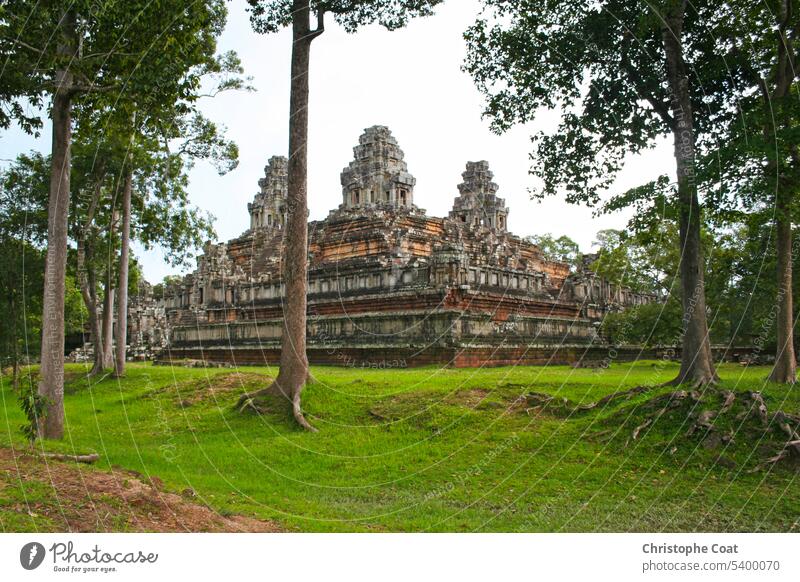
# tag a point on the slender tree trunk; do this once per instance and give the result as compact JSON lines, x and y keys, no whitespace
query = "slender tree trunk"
{"x":15,"y":374}
{"x":108,"y":299}
{"x":15,"y":340}
{"x":86,"y":278}
{"x":51,"y":385}
{"x":107,"y":333}
{"x":122,"y":294}
{"x":294,"y":372}
{"x":785,"y":369}
{"x":90,"y":300}
{"x":697,"y":365}
{"x":97,"y":366}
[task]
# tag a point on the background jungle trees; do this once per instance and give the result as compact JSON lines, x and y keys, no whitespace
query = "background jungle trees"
{"x":751,"y":164}
{"x":562,"y":248}
{"x":93,"y":55}
{"x":623,"y":73}
{"x":23,"y":232}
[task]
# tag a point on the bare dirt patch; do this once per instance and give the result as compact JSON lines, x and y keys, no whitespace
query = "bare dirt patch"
{"x":214,"y":389}
{"x":219,"y":387}
{"x":471,"y":397}
{"x":86,"y":499}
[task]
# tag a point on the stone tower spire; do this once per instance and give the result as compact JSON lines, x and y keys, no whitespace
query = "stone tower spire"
{"x":378,"y":175}
{"x":268,"y":208}
{"x":477,"y":203}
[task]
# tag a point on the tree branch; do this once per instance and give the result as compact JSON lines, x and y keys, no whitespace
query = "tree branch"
{"x":753,"y":75}
{"x":320,"y":25}
{"x":23,"y":45}
{"x":662,"y":109}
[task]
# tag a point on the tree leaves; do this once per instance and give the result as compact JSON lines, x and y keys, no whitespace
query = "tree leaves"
{"x":269,"y":16}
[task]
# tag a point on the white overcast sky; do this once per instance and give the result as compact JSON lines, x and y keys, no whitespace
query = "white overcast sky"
{"x":409,"y":80}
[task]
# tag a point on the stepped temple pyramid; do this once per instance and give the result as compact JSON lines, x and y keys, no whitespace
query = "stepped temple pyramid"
{"x":387,"y":284}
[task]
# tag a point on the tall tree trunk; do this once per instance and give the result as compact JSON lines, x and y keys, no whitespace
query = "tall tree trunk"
{"x":90,"y":300}
{"x":97,"y":366}
{"x":108,"y":299}
{"x":697,"y":365}
{"x":51,"y":385}
{"x":15,"y":340}
{"x":87,"y":279}
{"x":785,"y":369}
{"x":293,"y":372}
{"x":122,"y":293}
{"x":107,"y":333}
{"x":15,"y":374}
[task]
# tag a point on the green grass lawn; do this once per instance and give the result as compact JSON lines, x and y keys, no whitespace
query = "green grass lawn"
{"x":429,"y":450}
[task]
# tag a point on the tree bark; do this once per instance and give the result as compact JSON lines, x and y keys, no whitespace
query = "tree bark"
{"x":294,"y":372}
{"x":90,"y":300}
{"x":785,"y":369}
{"x":107,"y":333}
{"x":108,"y":299}
{"x":88,"y":281}
{"x":97,"y":366}
{"x":122,"y":293}
{"x":697,"y":365}
{"x":15,"y":374}
{"x":15,"y":340}
{"x":51,"y":385}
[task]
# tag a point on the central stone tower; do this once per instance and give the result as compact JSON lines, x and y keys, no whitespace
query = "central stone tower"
{"x":378,"y":175}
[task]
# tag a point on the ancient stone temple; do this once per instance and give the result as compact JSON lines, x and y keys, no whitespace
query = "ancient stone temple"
{"x":389,"y":285}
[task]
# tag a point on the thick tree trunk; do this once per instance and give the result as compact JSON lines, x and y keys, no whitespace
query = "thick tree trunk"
{"x":293,"y":372}
{"x":51,"y":385}
{"x":785,"y":369}
{"x":697,"y":365}
{"x":122,"y":293}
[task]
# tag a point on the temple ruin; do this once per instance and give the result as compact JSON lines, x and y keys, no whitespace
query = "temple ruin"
{"x":387,"y":284}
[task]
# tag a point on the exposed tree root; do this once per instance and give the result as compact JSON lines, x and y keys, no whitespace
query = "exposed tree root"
{"x":785,"y":422}
{"x":624,"y":394}
{"x":759,"y":405}
{"x":730,"y":397}
{"x":297,"y":412}
{"x":249,"y":402}
{"x":260,"y":400}
{"x":704,"y":381}
{"x":714,"y":417}
{"x":538,"y":400}
{"x":791,"y":450}
{"x":664,"y":403}
{"x":639,"y":428}
{"x":88,"y":459}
